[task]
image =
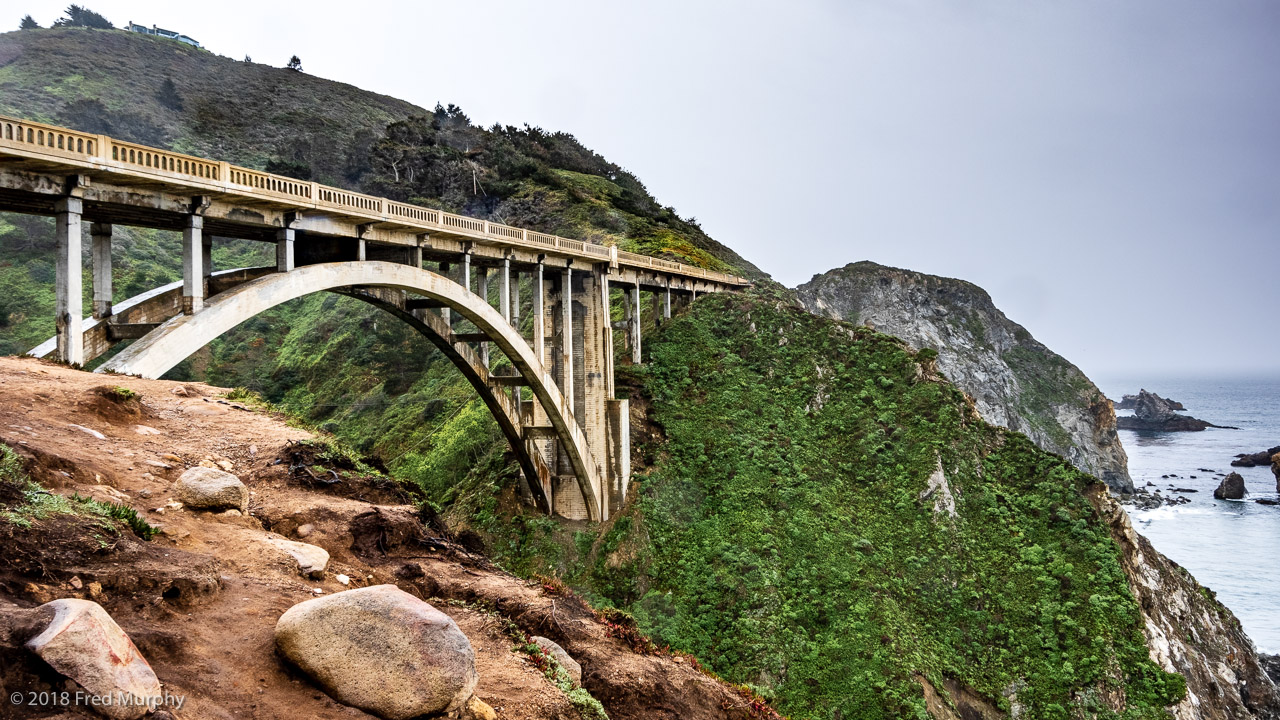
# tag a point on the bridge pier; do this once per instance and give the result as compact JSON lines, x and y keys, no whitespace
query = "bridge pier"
{"x":483,"y":282}
{"x":101,"y":234}
{"x":69,"y":280}
{"x":635,"y":323}
{"x":284,"y":250}
{"x":192,"y":265}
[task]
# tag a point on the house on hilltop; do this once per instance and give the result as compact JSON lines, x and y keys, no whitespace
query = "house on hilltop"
{"x":161,"y":32}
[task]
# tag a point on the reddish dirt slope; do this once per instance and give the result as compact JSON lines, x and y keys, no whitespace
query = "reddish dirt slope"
{"x":202,"y":598}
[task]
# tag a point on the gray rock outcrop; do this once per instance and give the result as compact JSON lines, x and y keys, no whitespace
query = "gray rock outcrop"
{"x":83,"y":643}
{"x":1231,"y":488}
{"x":552,"y":648}
{"x":1014,"y":380}
{"x":204,"y":488}
{"x":382,"y":650}
{"x":1154,"y":413}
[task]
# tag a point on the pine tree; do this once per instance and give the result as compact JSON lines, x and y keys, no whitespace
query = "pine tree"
{"x":29,"y":23}
{"x":79,"y":16}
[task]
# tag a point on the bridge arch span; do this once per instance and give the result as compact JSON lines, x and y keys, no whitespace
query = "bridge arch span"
{"x":182,"y":335}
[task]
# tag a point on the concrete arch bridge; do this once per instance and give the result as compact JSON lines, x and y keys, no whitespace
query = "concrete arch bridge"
{"x":433,"y":270}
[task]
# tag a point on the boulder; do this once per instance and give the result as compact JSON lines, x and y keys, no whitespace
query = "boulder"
{"x":382,"y":650}
{"x":83,"y":643}
{"x":203,"y":488}
{"x":311,"y":560}
{"x":1231,"y":488}
{"x":566,"y":661}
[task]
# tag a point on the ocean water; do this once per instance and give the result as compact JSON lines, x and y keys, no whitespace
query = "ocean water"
{"x":1227,"y":544}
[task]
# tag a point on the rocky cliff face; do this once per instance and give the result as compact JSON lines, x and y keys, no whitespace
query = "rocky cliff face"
{"x":1189,"y":632}
{"x":1015,"y":381}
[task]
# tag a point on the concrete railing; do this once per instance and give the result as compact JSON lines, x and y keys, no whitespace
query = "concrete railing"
{"x":101,"y":153}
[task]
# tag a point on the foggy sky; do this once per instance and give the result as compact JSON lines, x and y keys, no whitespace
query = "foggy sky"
{"x":1108,"y":171}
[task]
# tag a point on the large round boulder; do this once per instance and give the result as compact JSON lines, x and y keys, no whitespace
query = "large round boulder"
{"x":83,"y":643}
{"x":204,"y":488}
{"x":382,"y":650}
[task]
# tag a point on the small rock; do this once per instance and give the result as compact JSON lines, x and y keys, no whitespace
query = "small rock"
{"x":212,"y":489}
{"x":305,"y":530}
{"x":90,"y":431}
{"x":567,"y":662}
{"x":1267,"y":501}
{"x":224,"y":465}
{"x":311,"y":560}
{"x":75,"y":583}
{"x":478,"y":709}
{"x":144,"y":493}
{"x":145,"y":430}
{"x":253,"y":451}
{"x":1231,"y":488}
{"x":83,"y":643}
{"x":343,"y":579}
{"x":382,"y":650}
{"x":231,"y":513}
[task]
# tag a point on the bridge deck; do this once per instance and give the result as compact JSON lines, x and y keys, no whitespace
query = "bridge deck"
{"x":44,"y":148}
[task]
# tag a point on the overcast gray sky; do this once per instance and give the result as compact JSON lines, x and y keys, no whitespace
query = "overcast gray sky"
{"x":1108,"y":170}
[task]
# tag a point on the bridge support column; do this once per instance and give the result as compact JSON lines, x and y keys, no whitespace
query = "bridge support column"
{"x":69,"y":280}
{"x":206,"y":263}
{"x":446,"y":313}
{"x":101,"y":234}
{"x":634,"y":327}
{"x":566,"y":337}
{"x":284,"y":250}
{"x":192,"y":260}
{"x":515,"y":300}
{"x":539,"y":318}
{"x":483,"y":280}
{"x":596,"y":376}
{"x":504,"y":294}
{"x":666,"y":303}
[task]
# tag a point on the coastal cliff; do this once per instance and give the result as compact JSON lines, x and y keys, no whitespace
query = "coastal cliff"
{"x":1015,"y":380}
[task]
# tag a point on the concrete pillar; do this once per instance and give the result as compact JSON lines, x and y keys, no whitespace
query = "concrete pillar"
{"x":539,"y":319}
{"x":483,"y":278}
{"x":284,"y":250}
{"x":69,"y":279}
{"x":594,"y":374}
{"x":566,"y":335}
{"x":101,"y":234}
{"x":515,"y":299}
{"x":446,"y":313}
{"x":206,"y":261}
{"x":504,"y":294}
{"x":362,"y":250}
{"x":192,"y":262}
{"x":635,"y":323}
{"x":666,"y":304}
{"x":466,"y":270}
{"x":606,"y":347}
